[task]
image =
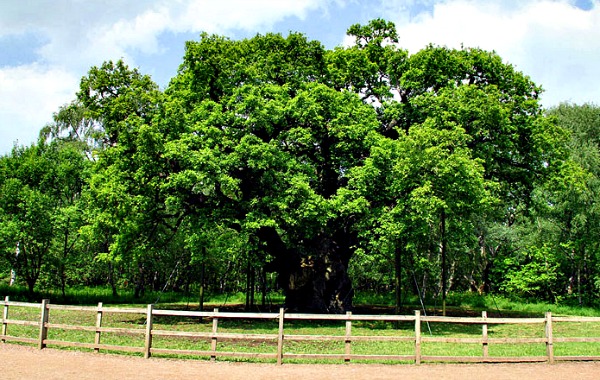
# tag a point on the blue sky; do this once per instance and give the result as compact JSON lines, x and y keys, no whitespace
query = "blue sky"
{"x":46,"y":46}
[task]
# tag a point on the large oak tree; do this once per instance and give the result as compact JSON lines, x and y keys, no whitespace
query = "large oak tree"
{"x":305,"y":155}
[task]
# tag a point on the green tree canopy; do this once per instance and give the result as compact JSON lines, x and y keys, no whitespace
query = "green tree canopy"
{"x":41,"y":185}
{"x":301,"y":159}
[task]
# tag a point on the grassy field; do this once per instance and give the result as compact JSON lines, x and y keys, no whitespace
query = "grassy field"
{"x":460,"y":305}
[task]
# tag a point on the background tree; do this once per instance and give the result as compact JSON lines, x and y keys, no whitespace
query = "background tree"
{"x":42,"y":184}
{"x":127,"y":216}
{"x":572,"y":204}
{"x":506,"y":133}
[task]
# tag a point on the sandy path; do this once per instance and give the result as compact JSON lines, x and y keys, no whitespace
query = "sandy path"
{"x":19,"y":362}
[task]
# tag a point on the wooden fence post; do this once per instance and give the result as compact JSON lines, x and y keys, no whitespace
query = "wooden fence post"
{"x":417,"y":337}
{"x":213,"y":342}
{"x":549,"y":338}
{"x":4,"y":319}
{"x":98,"y":326}
{"x":43,"y":321}
{"x":484,"y":331}
{"x":280,"y":337}
{"x":148,"y":341}
{"x":348,"y":337}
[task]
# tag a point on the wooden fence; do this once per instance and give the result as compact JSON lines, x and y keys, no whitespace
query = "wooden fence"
{"x":416,"y":340}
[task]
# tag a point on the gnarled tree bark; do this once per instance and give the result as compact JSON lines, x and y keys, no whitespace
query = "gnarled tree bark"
{"x":316,"y":281}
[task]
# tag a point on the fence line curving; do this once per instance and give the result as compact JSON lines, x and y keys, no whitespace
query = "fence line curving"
{"x":277,"y":339}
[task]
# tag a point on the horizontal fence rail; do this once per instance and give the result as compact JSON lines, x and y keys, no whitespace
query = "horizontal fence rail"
{"x":145,"y":328}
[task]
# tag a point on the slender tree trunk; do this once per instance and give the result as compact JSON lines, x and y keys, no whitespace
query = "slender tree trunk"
{"x":31,"y":267}
{"x":443,"y":253}
{"x":62,"y":266}
{"x":111,"y":273}
{"x":202,"y":274}
{"x":13,"y":272}
{"x":63,"y":280}
{"x":264,"y":288}
{"x":579,"y":298}
{"x":111,"y":279}
{"x":483,"y":287}
{"x":398,"y":278}
{"x":249,"y":286}
{"x":252,"y":287}
{"x":139,"y":283}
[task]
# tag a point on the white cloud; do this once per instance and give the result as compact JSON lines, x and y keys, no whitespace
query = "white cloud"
{"x":555,"y":43}
{"x":82,"y":33}
{"x":28,"y":97}
{"x":78,"y":34}
{"x":223,"y":15}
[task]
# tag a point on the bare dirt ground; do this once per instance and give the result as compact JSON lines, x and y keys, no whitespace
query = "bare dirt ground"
{"x":19,"y":362}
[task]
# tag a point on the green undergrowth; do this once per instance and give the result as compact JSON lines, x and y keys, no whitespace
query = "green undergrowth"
{"x":469,"y":304}
{"x":93,"y":295}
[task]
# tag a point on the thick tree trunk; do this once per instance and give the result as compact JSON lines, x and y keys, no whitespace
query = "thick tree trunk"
{"x":139,"y":282}
{"x":30,"y":286}
{"x":315,"y":281}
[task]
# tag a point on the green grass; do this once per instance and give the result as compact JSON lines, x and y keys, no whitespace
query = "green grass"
{"x":93,"y":295}
{"x":459,"y":305}
{"x":466,"y":303}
